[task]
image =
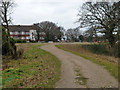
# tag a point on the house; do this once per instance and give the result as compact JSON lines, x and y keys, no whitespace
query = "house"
{"x":25,"y":32}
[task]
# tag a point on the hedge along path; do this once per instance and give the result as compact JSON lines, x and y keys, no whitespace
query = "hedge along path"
{"x":96,"y":75}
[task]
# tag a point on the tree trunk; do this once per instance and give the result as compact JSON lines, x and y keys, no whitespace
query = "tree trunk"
{"x":111,"y":40}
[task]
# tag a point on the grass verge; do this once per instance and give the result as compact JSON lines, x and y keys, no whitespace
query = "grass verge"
{"x":103,"y":60}
{"x":37,"y":69}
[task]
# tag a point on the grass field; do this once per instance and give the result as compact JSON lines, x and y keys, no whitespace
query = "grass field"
{"x":36,"y":69}
{"x":110,"y":63}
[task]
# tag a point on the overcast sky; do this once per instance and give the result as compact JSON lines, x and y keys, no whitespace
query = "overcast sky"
{"x":63,"y":12}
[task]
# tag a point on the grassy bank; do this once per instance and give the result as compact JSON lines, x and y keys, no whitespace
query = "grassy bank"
{"x":110,"y":63}
{"x":36,"y":69}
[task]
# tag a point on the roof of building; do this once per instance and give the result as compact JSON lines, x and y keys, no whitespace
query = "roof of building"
{"x":22,"y":27}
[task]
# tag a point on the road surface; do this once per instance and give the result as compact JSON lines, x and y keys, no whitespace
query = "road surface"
{"x":97,"y":76}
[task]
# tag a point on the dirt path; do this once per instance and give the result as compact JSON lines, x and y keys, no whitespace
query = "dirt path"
{"x":97,"y":76}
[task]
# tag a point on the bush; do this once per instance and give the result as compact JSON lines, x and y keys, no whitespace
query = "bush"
{"x":103,"y":49}
{"x":97,"y":48}
{"x":33,"y":41}
{"x":20,"y":41}
{"x":8,"y":44}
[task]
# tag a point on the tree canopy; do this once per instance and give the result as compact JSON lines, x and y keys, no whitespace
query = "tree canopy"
{"x":53,"y":32}
{"x":6,"y":11}
{"x":101,"y":15}
{"x":73,"y":34}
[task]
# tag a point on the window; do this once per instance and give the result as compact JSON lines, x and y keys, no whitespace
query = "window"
{"x":27,"y":37}
{"x":11,"y":32}
{"x":43,"y":33}
{"x":22,"y":33}
{"x":16,"y":33}
{"x":42,"y":38}
{"x":22,"y":37}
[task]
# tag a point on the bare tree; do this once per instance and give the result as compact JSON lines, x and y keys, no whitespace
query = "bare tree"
{"x":73,"y":34}
{"x":8,"y":44}
{"x":6,"y":11}
{"x":103,"y":15}
{"x":90,"y":34}
{"x":69,"y":34}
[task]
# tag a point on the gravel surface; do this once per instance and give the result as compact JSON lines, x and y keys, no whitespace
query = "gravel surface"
{"x":97,"y":76}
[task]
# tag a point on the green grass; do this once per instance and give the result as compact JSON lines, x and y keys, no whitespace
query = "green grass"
{"x":37,"y":69}
{"x":112,"y":67}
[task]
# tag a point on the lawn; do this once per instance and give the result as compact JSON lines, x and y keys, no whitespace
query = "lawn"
{"x":108,"y":62}
{"x":36,"y":69}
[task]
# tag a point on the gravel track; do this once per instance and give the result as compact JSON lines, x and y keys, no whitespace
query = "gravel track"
{"x":98,"y":77}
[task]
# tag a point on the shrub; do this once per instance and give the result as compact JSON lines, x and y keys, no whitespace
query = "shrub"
{"x":97,"y":48}
{"x":20,"y":41}
{"x":8,"y":44}
{"x":104,"y":49}
{"x":33,"y":41}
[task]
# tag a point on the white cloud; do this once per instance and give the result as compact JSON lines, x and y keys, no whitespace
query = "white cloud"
{"x":63,"y":12}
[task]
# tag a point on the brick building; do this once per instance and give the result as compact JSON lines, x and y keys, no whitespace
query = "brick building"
{"x":25,"y":32}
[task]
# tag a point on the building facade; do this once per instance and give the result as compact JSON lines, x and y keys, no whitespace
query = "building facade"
{"x":42,"y":36}
{"x":25,"y":32}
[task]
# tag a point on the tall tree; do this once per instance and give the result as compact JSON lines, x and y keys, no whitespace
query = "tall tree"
{"x":53,"y":32}
{"x":103,"y":15}
{"x":73,"y":34}
{"x":8,"y":44}
{"x":6,"y":11}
